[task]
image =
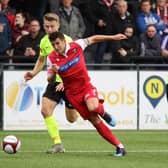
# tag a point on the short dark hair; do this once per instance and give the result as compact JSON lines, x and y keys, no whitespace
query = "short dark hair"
{"x":53,"y":36}
{"x":150,"y":25}
{"x":144,"y":1}
{"x":129,"y":25}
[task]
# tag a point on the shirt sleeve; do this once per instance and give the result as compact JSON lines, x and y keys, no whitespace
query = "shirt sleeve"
{"x":83,"y":43}
{"x":49,"y":65}
{"x":49,"y":70}
{"x":42,"y":49}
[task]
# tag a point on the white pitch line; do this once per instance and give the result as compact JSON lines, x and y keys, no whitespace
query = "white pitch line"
{"x":87,"y":132}
{"x":96,"y":151}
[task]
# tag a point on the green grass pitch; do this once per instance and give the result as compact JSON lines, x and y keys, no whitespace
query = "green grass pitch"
{"x":86,"y":149}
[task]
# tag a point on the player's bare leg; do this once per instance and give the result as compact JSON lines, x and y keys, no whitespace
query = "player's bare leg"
{"x":48,"y":107}
{"x":71,"y":114}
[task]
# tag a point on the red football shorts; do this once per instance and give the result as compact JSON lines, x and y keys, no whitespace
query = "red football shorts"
{"x":78,"y":101}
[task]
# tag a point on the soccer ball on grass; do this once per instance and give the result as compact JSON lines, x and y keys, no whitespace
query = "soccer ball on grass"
{"x":11,"y":144}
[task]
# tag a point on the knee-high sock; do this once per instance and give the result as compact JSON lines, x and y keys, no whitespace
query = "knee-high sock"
{"x":106,"y":133}
{"x":53,"y":129}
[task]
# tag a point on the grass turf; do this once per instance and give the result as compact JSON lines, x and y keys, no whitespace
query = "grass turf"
{"x":86,"y":149}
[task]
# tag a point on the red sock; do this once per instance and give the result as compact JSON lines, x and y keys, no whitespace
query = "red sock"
{"x":106,"y":133}
{"x":99,"y":109}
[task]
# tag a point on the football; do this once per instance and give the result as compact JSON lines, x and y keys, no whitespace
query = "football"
{"x":11,"y":144}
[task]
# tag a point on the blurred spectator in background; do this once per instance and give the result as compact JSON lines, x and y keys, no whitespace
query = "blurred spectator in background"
{"x":7,"y":11}
{"x":5,"y":37}
{"x":3,"y":46}
{"x":21,"y":27}
{"x":146,"y":17}
{"x":28,"y":45}
{"x":37,"y":8}
{"x":164,"y":47}
{"x":127,"y":48}
{"x":161,"y":9}
{"x":102,"y":12}
{"x":86,"y":8}
{"x":71,"y":20}
{"x":121,"y":17}
{"x":133,"y":7}
{"x":54,"y":6}
{"x":150,"y":43}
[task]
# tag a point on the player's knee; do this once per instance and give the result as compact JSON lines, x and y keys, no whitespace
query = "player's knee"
{"x":71,"y":115}
{"x":71,"y":119}
{"x":48,"y":107}
{"x":92,"y":107}
{"x":45,"y":112}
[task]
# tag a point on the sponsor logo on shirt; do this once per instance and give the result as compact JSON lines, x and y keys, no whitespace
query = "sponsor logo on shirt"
{"x":69,"y":64}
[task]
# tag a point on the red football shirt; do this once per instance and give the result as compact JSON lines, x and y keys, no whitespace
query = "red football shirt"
{"x":72,"y":67}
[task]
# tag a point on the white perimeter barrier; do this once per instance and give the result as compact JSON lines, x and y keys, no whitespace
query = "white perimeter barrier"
{"x":135,"y":103}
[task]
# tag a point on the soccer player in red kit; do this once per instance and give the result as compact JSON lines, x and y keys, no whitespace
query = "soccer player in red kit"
{"x":68,"y":61}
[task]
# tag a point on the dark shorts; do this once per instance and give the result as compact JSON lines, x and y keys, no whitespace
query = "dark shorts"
{"x":56,"y":96}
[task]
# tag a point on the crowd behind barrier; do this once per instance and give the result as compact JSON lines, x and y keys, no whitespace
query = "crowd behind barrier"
{"x":21,"y":28}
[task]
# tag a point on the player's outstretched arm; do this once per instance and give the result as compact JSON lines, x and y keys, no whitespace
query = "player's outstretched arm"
{"x":41,"y":61}
{"x":37,"y":68}
{"x":101,"y":38}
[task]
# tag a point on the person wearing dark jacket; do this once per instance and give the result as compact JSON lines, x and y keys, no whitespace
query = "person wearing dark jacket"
{"x":21,"y":27}
{"x":5,"y":37}
{"x":102,"y":12}
{"x":8,"y":11}
{"x":127,"y":48}
{"x":150,"y":44}
{"x":121,"y":17}
{"x":28,"y":46}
